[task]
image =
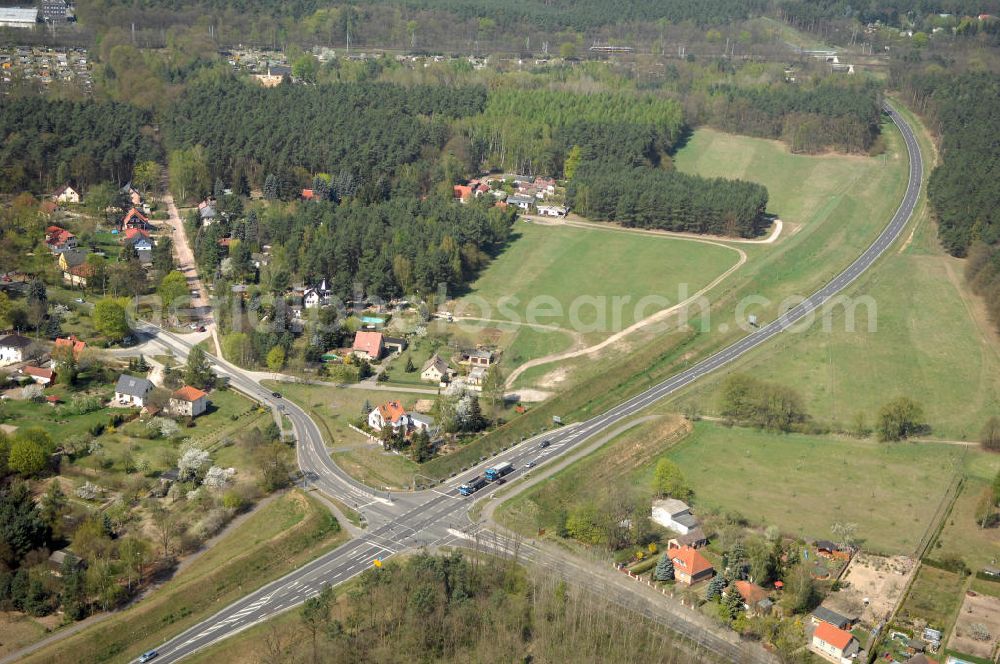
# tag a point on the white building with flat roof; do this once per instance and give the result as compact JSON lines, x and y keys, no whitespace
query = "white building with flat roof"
{"x":18,"y":17}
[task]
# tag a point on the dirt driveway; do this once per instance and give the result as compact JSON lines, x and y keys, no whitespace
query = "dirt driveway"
{"x":185,"y":261}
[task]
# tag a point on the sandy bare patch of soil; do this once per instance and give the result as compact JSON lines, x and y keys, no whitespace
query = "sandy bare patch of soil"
{"x":872,"y":586}
{"x":977,"y":609}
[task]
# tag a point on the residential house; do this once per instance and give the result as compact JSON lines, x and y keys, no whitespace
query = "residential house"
{"x":391,"y":414}
{"x":694,"y":538}
{"x":132,"y":194}
{"x":139,"y":239}
{"x":368,"y":344}
{"x":477,"y":357}
{"x":756,"y":600}
{"x":14,"y":348}
{"x":476,"y":378}
{"x":188,"y":401}
{"x":59,"y":240}
{"x":423,"y":423}
{"x":435,"y":370}
{"x":312,"y":298}
{"x":41,"y":376}
{"x":59,"y":559}
{"x":690,"y":567}
{"x":523,"y":180}
{"x":71,"y":258}
{"x":822,"y":614}
{"x":545,"y":186}
{"x":552,"y":210}
{"x":831,"y":550}
{"x":66,"y":194}
{"x":834,"y":644}
{"x":462,"y":192}
{"x":136,"y":219}
{"x":78,"y":275}
{"x":521,"y":201}
{"x":207,"y":213}
{"x":308,"y":194}
{"x":71,"y":342}
{"x":674,"y":514}
{"x":394,"y":344}
{"x":132,"y":391}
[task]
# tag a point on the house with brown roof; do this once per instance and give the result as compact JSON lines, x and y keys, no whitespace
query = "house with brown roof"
{"x":188,"y":401}
{"x":690,"y":567}
{"x":78,"y":275}
{"x":435,"y":370}
{"x":59,"y":240}
{"x":694,"y":538}
{"x":66,"y":194}
{"x":368,"y":344}
{"x":833,"y":644}
{"x":136,"y":219}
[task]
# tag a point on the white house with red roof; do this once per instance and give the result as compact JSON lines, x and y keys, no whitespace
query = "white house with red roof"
{"x":834,"y":644}
{"x":58,"y":239}
{"x":188,"y":401}
{"x":41,"y":376}
{"x":368,"y":344}
{"x":391,"y":413}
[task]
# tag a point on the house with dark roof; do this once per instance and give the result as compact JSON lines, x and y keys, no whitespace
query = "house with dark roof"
{"x":132,"y":391}
{"x":690,"y":567}
{"x":66,"y":194}
{"x":822,"y":614}
{"x":435,"y":370}
{"x":694,"y":538}
{"x":394,"y":344}
{"x":71,"y":258}
{"x":136,"y":219}
{"x":14,"y":348}
{"x":478,"y":357}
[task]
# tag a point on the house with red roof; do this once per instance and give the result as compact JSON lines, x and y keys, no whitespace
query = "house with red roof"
{"x":391,"y":413}
{"x":690,"y":567}
{"x":71,"y":342}
{"x":77,"y":275}
{"x":462,"y":192}
{"x":188,"y":401}
{"x":136,"y":219}
{"x":368,"y":344}
{"x":834,"y":644}
{"x":44,"y":377}
{"x":59,"y":239}
{"x":308,"y":194}
{"x":756,"y":600}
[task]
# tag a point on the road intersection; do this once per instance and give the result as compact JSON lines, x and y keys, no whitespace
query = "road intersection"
{"x":439,"y":516}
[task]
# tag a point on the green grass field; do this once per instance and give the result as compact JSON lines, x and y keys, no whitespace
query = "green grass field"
{"x":800,"y":484}
{"x":929,"y":340}
{"x":553,"y":265}
{"x":935,"y":596}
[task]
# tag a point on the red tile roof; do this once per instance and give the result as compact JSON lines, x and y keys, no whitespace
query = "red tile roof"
{"x":462,"y":191}
{"x":837,"y":638}
{"x":133,"y":233}
{"x":82,"y":270}
{"x":688,"y":560}
{"x":39,"y":372}
{"x":134,"y":214}
{"x":71,"y":342}
{"x":392,"y":411}
{"x":188,"y":393}
{"x":368,"y":342}
{"x":308,"y":194}
{"x":750,"y":592}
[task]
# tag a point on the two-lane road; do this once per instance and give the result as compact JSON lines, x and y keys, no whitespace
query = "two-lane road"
{"x":439,"y":516}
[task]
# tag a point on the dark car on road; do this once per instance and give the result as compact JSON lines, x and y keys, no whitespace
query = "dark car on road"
{"x":545,"y":443}
{"x":276,"y":395}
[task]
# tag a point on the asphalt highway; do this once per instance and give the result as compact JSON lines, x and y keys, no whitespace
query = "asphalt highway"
{"x":439,"y":516}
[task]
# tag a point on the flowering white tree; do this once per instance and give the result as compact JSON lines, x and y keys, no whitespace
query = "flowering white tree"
{"x":218,"y":477}
{"x":191,"y":461}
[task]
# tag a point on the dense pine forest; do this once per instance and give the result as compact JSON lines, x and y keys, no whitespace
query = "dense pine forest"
{"x":45,"y":143}
{"x":365,"y":129}
{"x":668,"y":200}
{"x":834,"y":114}
{"x":965,"y":112}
